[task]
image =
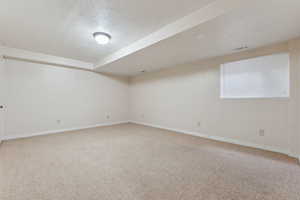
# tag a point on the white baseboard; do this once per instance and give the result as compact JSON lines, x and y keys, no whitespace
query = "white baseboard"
{"x":221,"y":139}
{"x":11,"y":137}
{"x":217,"y":138}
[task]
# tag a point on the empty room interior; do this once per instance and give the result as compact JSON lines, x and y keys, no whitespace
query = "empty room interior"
{"x":150,"y":100}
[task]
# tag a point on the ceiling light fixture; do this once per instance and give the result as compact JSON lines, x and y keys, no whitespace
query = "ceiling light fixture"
{"x":102,"y":38}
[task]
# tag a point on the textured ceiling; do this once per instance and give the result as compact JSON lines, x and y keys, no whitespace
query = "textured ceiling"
{"x":64,"y":27}
{"x":147,"y":31}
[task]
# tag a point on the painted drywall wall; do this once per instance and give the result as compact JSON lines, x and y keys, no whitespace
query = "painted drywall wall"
{"x":188,"y":98}
{"x":39,"y":95}
{"x":2,"y":96}
{"x":294,"y":49}
{"x":43,"y":98}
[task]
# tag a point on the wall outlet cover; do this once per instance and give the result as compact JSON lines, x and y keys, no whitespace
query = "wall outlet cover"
{"x":261,"y":132}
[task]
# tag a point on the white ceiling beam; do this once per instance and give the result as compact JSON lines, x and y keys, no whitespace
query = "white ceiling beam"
{"x":205,"y":14}
{"x":18,"y":54}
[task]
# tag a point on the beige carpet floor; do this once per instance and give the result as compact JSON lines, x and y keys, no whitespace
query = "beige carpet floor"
{"x":132,"y":162}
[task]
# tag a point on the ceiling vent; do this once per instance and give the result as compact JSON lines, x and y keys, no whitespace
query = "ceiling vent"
{"x":241,"y":48}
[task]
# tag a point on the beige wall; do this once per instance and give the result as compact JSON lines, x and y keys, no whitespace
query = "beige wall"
{"x":38,"y":95}
{"x":182,"y":96}
{"x":2,"y":96}
{"x":294,"y":47}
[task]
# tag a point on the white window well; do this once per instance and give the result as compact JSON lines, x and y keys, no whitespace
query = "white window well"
{"x":260,"y":77}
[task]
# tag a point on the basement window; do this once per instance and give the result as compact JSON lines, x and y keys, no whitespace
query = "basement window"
{"x":260,"y":77}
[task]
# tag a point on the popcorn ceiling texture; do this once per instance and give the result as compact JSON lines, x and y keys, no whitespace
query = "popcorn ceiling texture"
{"x":133,"y":162}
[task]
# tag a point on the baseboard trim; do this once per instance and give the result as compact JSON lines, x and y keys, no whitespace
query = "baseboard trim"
{"x":220,"y":139}
{"x":62,"y":130}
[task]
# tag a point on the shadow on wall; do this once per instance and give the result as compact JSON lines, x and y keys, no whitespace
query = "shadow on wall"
{"x":121,"y":79}
{"x":196,"y":66}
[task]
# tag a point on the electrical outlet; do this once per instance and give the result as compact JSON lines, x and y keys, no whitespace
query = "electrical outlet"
{"x":198,"y":124}
{"x":107,"y":116}
{"x":261,"y":132}
{"x":58,"y":121}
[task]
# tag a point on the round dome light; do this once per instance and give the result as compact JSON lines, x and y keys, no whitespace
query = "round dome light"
{"x":102,"y":38}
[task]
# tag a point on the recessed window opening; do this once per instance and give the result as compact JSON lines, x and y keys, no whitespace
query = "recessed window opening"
{"x":260,"y":77}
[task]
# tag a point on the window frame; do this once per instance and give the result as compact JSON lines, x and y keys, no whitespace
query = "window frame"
{"x":222,"y":84}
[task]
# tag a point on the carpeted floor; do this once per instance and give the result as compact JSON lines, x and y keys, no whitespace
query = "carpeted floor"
{"x":132,"y":162}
